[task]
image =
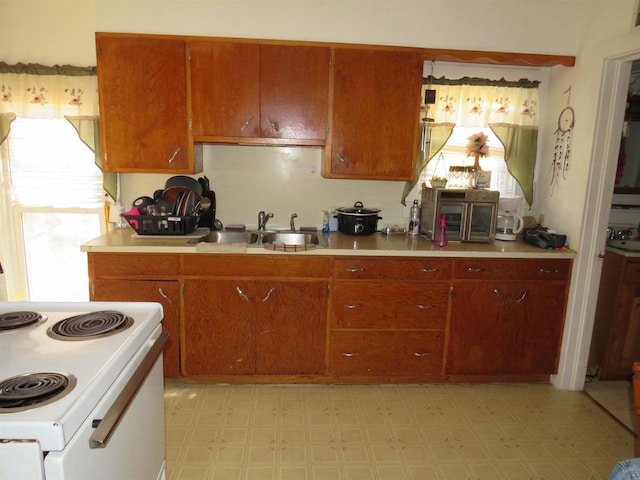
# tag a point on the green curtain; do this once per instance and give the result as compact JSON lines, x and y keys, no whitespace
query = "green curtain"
{"x":88,"y":129}
{"x":520,"y":143}
{"x":440,"y":133}
{"x":5,"y":125}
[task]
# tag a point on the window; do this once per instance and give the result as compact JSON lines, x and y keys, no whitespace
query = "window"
{"x":454,"y":153}
{"x":56,"y":201}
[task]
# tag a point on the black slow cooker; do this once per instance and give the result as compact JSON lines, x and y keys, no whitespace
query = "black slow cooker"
{"x":358,"y":220}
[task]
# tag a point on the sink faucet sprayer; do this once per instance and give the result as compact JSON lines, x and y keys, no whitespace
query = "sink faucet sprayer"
{"x":292,"y":222}
{"x":263,"y":219}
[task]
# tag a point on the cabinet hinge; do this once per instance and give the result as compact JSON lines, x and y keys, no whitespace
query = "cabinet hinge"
{"x":189,"y":53}
{"x":190,"y":124}
{"x":330,"y":59}
{"x":451,"y":291}
{"x":444,"y":361}
{"x":328,"y":129}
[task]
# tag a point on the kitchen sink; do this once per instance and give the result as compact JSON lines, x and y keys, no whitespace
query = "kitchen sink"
{"x":631,"y":245}
{"x":257,"y":238}
{"x":293,"y":238}
{"x":228,"y":237}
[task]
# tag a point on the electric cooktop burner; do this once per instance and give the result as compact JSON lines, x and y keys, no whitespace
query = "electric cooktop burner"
{"x":32,"y":390}
{"x":90,"y":325}
{"x":16,"y":320}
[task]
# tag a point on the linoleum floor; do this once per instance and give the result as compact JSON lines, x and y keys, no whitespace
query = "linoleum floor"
{"x":389,"y":432}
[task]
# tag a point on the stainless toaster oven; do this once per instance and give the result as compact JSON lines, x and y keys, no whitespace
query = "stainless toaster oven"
{"x":470,"y":214}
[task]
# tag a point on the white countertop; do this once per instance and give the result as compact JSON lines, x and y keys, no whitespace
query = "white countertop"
{"x":378,"y":244}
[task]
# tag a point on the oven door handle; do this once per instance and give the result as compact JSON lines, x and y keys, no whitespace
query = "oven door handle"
{"x":107,"y":425}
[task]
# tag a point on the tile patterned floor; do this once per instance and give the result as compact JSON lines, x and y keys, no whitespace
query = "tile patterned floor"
{"x":616,"y":397}
{"x":388,"y":432}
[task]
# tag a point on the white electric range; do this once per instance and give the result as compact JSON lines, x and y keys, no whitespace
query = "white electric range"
{"x":81,"y":391}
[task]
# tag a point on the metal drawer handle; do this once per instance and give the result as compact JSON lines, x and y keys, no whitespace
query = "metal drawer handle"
{"x":108,"y":424}
{"x":246,"y":124}
{"x":545,"y":270}
{"x":475,"y":269}
{"x":497,"y":293}
{"x":422,"y":306}
{"x":271,"y":290}
{"x":175,"y":153}
{"x":164,"y":295}
{"x":274,"y":124}
{"x":523,"y":296}
{"x":429,"y":270}
{"x":350,"y":354}
{"x":241,"y":293}
{"x":343,"y":160}
{"x":423,"y":354}
{"x":352,"y":306}
{"x":354,"y":269}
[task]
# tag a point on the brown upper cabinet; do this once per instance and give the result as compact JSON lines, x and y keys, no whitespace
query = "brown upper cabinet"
{"x":270,"y":94}
{"x":375,"y":114}
{"x":163,"y":96}
{"x":143,"y":105}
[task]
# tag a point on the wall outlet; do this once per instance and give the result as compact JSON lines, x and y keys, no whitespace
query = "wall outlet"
{"x":541,"y":219}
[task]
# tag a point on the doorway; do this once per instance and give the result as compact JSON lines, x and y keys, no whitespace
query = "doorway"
{"x":616,"y":396}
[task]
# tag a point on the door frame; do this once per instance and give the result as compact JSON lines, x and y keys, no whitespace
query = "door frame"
{"x":616,"y":57}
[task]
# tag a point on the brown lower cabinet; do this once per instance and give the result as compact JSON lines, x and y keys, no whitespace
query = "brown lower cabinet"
{"x":615,"y":343}
{"x":263,"y":327}
{"x":165,"y":292}
{"x":507,"y":316}
{"x":347,"y":319}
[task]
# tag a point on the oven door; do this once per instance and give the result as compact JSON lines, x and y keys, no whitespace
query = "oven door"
{"x":135,"y":448}
{"x":481,"y":222}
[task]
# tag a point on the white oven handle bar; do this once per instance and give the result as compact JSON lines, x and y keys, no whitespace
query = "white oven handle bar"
{"x":107,"y":425}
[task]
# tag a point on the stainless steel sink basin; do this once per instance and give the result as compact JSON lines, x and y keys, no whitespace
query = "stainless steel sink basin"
{"x":293,"y":238}
{"x":257,"y":238}
{"x":631,"y":245}
{"x":229,"y":237}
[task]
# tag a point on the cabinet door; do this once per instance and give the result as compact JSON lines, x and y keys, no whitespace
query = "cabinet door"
{"x":219,"y":328}
{"x":506,"y":327}
{"x":225,"y":89}
{"x":375,"y":114}
{"x":623,"y":347}
{"x":290,"y":327}
{"x":163,"y":292}
{"x":142,"y":87}
{"x":294,"y":92}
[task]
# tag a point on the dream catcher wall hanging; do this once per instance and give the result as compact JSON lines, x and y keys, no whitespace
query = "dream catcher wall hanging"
{"x":562,"y":146}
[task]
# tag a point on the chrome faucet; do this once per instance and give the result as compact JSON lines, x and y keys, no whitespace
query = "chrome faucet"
{"x":292,"y":222}
{"x":263,"y":219}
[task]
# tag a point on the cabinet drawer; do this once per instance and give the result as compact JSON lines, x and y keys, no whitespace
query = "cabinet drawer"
{"x":381,"y":305}
{"x":632,"y":271}
{"x":386,"y":353}
{"x":425,"y":269}
{"x":256,"y":265}
{"x":148,"y":264}
{"x":511,"y":269}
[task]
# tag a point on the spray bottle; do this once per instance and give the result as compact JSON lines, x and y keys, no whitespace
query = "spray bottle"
{"x":441,"y":234}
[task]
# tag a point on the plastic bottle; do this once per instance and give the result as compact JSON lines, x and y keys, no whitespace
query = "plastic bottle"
{"x":414,"y":222}
{"x":441,"y":234}
{"x":325,"y":221}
